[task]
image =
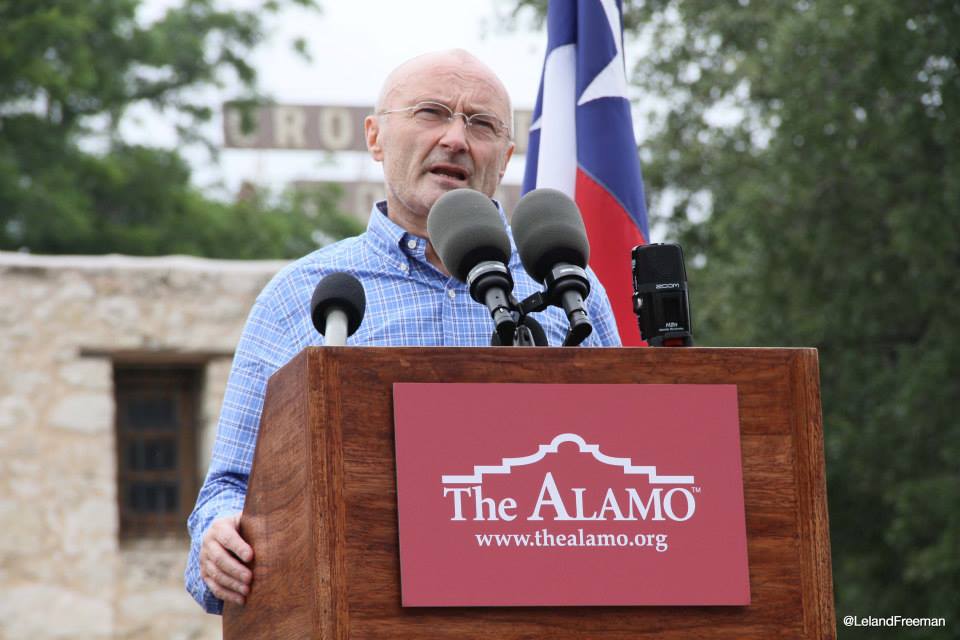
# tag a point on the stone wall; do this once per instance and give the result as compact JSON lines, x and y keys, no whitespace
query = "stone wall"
{"x":63,"y":322}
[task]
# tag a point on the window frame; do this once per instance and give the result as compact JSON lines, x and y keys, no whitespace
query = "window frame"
{"x":185,"y":383}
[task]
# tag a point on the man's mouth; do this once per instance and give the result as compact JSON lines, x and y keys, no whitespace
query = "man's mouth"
{"x":450,"y":171}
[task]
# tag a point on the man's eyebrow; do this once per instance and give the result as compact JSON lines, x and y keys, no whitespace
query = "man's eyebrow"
{"x":431,"y":98}
{"x":445,"y":102}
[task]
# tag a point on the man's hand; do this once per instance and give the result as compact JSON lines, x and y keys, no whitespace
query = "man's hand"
{"x":226,"y":576}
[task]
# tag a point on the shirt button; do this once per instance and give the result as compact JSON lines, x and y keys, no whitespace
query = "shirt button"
{"x":412,"y":244}
{"x":404,"y":268}
{"x":451,"y":294}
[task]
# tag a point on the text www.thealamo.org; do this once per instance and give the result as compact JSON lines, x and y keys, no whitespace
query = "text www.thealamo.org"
{"x":543,"y":538}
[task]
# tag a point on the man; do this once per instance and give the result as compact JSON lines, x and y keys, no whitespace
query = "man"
{"x":442,"y":122}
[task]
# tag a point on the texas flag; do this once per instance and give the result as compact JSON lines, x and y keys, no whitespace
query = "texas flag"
{"x":582,"y":143}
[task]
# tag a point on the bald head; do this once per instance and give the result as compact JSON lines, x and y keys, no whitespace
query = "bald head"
{"x":457,"y":64}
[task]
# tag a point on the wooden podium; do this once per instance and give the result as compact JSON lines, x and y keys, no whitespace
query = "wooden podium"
{"x":321,"y":511}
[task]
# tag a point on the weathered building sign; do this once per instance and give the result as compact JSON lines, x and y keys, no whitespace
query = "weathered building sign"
{"x":316,"y":128}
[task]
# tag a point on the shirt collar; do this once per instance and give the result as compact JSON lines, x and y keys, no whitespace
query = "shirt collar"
{"x":384,"y":233}
{"x":388,"y":236}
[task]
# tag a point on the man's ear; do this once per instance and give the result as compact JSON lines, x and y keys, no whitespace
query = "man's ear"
{"x":506,"y":158}
{"x":371,"y":131}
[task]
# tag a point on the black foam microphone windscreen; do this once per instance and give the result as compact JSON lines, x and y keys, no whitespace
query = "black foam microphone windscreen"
{"x":658,"y":263}
{"x":548,"y":229}
{"x":465,"y":229}
{"x":338,"y":290}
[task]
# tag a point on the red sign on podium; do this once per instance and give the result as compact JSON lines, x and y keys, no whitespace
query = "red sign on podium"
{"x":528,"y":494}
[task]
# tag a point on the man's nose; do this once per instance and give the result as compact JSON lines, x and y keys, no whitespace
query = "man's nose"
{"x":455,"y":134}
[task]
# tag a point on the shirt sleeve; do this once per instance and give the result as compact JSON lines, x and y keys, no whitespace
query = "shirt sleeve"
{"x":605,"y":332}
{"x":264,"y":346}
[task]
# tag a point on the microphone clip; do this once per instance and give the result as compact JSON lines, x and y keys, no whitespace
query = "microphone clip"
{"x":567,"y":286}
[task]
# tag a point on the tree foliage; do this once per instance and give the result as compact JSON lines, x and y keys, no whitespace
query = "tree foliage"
{"x":69,"y":72}
{"x":808,"y":161}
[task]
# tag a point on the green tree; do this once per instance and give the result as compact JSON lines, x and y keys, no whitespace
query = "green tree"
{"x":810,"y":165}
{"x":69,"y":72}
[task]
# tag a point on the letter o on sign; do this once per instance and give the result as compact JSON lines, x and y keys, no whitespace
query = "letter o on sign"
{"x":336,"y":128}
{"x":668,"y":504}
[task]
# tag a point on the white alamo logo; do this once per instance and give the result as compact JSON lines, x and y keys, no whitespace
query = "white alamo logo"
{"x":677,"y":503}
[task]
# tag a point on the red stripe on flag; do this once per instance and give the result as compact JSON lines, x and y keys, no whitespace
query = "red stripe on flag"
{"x":612,"y":234}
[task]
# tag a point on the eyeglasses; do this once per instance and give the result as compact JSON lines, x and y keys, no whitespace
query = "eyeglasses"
{"x":480,"y":126}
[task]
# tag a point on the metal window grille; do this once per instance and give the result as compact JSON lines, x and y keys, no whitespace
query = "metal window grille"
{"x":156,"y":420}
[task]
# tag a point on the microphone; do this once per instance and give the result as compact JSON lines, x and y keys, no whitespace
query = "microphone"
{"x":467,"y":232}
{"x":554,"y":249}
{"x":660,"y":297}
{"x":337,"y":307}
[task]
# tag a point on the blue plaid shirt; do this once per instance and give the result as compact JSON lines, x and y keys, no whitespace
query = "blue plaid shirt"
{"x":409,"y":303}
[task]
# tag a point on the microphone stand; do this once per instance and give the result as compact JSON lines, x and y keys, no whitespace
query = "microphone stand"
{"x":567,"y":286}
{"x":523,"y":335}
